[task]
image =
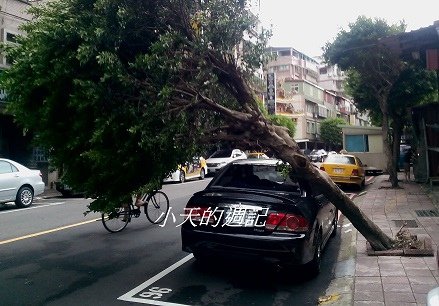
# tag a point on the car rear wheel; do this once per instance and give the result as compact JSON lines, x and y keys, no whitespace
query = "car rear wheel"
{"x":314,"y":266}
{"x":363,"y":184}
{"x":182,"y":176}
{"x":202,"y":174}
{"x":25,"y":197}
{"x":335,"y":224}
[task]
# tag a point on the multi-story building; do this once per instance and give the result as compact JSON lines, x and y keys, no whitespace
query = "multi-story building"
{"x":15,"y":143}
{"x":309,"y":92}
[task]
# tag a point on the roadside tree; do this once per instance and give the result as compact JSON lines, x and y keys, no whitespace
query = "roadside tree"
{"x":331,"y":133}
{"x":122,"y":90}
{"x":378,"y":79}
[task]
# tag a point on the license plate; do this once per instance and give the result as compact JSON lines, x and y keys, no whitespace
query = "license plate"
{"x":243,"y":215}
{"x":338,"y":170}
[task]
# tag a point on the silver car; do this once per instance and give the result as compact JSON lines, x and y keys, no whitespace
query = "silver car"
{"x":18,"y":183}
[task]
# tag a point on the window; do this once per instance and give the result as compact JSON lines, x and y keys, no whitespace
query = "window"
{"x":6,"y":167}
{"x":357,"y":143}
{"x":39,"y":155}
{"x":282,"y":68}
{"x":11,"y":37}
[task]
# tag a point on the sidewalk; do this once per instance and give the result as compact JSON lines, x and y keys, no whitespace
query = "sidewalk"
{"x":50,"y":193}
{"x":397,"y":280}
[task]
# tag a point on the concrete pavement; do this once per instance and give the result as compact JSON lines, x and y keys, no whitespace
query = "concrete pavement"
{"x":388,"y":280}
{"x":361,"y":279}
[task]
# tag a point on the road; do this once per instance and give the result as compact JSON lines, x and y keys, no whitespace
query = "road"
{"x":51,"y":254}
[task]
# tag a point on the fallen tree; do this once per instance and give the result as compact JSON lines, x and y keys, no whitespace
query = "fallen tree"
{"x":121,"y":91}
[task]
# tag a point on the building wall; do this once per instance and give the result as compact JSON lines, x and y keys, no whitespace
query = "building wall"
{"x":13,"y":13}
{"x":375,"y":156}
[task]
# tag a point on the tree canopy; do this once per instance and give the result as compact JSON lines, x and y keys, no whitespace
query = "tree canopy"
{"x":114,"y":86}
{"x":121,"y":91}
{"x":378,"y":80}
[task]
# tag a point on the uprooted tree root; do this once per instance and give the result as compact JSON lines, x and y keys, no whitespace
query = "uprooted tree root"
{"x":405,"y":240}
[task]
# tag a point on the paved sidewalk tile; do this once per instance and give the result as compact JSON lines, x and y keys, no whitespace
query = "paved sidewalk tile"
{"x":397,"y":280}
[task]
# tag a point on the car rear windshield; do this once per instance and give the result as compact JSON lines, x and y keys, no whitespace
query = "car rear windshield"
{"x":264,"y":177}
{"x":340,"y":159}
{"x":221,"y":154}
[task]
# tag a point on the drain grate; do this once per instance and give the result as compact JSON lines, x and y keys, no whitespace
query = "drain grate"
{"x":427,"y":213}
{"x":408,"y":223}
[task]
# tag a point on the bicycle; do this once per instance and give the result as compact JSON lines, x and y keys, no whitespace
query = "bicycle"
{"x":156,"y":208}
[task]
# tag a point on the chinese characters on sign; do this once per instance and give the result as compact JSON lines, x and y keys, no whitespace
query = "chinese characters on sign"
{"x":236,"y":216}
{"x":271,"y":93}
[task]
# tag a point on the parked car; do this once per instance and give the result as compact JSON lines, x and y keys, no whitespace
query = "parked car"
{"x":318,"y":155}
{"x":196,"y":168}
{"x":66,"y":190}
{"x":250,"y":210}
{"x":258,"y":155}
{"x":18,"y":183}
{"x":221,"y":158}
{"x":345,"y":169}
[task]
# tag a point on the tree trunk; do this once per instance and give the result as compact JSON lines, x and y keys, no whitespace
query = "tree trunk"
{"x":396,"y":137}
{"x":252,"y":126}
{"x":285,"y":148}
{"x":387,"y":144}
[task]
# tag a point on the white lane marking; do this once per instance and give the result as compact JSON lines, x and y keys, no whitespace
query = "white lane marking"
{"x":347,"y":224}
{"x":129,"y":296}
{"x":33,"y":207}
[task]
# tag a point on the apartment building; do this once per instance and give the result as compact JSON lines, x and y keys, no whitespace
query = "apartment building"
{"x":15,"y":143}
{"x":309,"y":92}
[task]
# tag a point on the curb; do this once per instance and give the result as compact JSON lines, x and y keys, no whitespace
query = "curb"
{"x":340,"y":290}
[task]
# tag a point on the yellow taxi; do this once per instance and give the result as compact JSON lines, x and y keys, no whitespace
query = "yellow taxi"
{"x":196,"y":168}
{"x":257,"y":155}
{"x":345,"y":169}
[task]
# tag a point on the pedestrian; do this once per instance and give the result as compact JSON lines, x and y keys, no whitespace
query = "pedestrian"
{"x":406,"y":161}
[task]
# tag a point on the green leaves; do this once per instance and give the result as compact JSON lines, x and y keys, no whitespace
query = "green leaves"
{"x":114,"y":86}
{"x":331,"y":133}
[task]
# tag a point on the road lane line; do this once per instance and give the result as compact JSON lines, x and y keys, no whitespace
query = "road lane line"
{"x":33,"y":207}
{"x":129,"y":296}
{"x":47,"y":232}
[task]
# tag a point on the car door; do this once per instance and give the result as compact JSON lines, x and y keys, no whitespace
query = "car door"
{"x":193,"y":168}
{"x":9,"y":180}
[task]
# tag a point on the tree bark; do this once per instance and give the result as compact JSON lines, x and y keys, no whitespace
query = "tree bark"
{"x":250,"y":126}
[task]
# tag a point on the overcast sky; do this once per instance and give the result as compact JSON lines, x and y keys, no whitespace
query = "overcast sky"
{"x":308,"y":25}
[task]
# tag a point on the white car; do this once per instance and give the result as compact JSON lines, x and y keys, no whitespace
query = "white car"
{"x":318,"y":155}
{"x":18,"y":183}
{"x":222,"y":157}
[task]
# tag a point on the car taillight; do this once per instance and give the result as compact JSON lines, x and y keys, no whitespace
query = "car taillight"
{"x":286,"y":222}
{"x":354,"y":172}
{"x":322,"y":168}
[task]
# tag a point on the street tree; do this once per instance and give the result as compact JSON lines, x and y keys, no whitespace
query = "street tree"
{"x":414,"y":86}
{"x":377,"y":79}
{"x":121,"y":91}
{"x":331,"y":133}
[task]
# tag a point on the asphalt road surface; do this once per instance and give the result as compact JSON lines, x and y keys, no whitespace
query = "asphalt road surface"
{"x":51,"y":254}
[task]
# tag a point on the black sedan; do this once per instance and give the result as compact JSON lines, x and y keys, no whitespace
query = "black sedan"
{"x":253,"y":210}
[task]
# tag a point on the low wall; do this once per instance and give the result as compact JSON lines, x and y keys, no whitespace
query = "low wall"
{"x":377,"y":160}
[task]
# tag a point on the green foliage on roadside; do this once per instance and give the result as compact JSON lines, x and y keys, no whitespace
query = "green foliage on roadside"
{"x":111,"y":87}
{"x":331,"y":133}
